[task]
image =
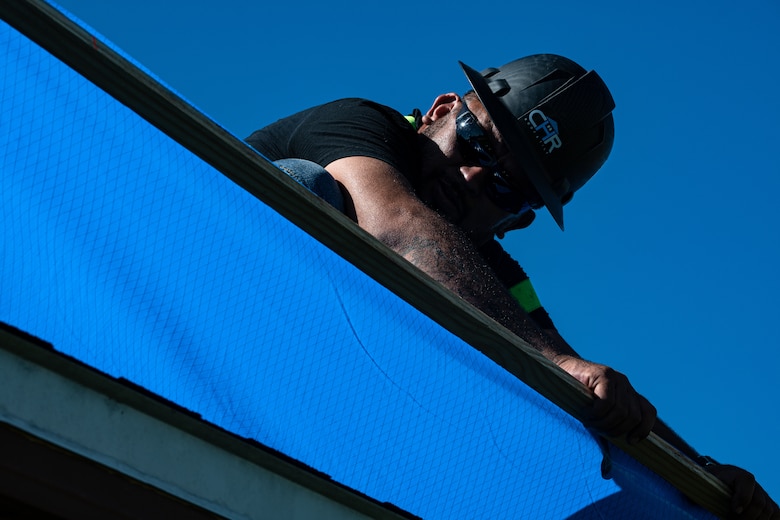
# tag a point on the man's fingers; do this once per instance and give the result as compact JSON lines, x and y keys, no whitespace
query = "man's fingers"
{"x":648,"y":415}
{"x":744,"y":489}
{"x":618,"y":410}
{"x":748,"y":500}
{"x":629,"y":421}
{"x":751,"y":501}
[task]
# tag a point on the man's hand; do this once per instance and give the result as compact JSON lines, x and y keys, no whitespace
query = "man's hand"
{"x":748,"y":499}
{"x":618,"y":409}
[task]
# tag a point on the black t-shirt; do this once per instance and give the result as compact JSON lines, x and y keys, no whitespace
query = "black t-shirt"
{"x":357,"y":127}
{"x":344,"y":128}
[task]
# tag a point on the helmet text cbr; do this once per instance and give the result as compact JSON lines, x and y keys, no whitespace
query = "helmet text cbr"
{"x":546,"y":129}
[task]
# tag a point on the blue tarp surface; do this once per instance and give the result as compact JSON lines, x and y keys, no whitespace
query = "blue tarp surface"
{"x":126,"y":251}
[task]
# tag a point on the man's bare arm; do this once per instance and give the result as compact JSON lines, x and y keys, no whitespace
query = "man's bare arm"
{"x":386,"y":206}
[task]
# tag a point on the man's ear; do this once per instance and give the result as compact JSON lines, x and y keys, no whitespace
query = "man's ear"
{"x":442,"y":105}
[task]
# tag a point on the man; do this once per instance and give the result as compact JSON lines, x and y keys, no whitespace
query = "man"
{"x":438,"y":187}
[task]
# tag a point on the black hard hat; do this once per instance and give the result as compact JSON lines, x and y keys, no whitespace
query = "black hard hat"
{"x":555,"y":118}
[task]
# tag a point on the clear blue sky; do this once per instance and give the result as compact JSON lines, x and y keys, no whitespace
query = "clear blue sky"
{"x":668,"y":269}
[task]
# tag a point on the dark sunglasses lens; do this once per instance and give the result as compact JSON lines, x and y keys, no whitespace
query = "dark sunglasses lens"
{"x":475,"y":153}
{"x":473,"y":143}
{"x":475,"y":148}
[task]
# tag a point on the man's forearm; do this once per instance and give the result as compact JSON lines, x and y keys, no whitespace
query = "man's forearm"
{"x":451,"y":259}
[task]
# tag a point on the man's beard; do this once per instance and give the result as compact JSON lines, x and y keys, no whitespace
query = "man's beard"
{"x":430,"y":177}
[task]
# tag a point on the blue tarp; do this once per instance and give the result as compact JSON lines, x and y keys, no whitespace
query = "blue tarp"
{"x":126,"y":251}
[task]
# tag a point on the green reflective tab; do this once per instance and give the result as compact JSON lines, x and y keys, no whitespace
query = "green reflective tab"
{"x":525,"y":294}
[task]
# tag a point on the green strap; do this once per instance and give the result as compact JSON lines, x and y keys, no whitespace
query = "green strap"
{"x":412,"y":121}
{"x":526,"y":296}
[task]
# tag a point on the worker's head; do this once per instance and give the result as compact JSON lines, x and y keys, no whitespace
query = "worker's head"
{"x":554,"y":118}
{"x":528,"y":135}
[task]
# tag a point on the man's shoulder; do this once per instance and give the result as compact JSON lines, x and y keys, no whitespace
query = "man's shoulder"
{"x":357,"y":102}
{"x":351,"y":105}
{"x":346,"y":127}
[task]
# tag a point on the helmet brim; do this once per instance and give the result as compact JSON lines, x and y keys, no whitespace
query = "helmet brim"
{"x":517,"y":142}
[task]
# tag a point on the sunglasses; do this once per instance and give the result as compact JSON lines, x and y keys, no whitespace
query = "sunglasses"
{"x":474,"y":145}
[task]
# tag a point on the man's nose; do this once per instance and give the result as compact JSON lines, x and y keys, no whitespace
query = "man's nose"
{"x":475,"y":177}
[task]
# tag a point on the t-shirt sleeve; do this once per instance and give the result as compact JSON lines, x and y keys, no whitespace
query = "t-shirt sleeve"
{"x":343,"y":128}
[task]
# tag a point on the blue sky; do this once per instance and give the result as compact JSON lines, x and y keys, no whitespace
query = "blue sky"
{"x":667,"y":270}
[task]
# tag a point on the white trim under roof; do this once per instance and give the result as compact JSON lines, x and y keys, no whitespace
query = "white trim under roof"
{"x":52,"y":399}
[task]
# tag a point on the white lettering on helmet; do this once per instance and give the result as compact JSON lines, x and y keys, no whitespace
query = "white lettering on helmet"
{"x":546,"y":129}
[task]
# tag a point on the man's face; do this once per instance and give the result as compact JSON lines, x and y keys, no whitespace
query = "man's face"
{"x":456,"y":185}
